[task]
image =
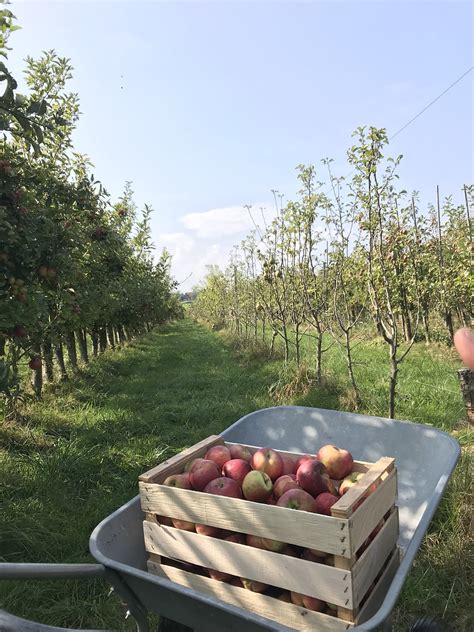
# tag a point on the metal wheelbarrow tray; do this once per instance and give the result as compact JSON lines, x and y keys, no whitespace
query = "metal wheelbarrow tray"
{"x":425,"y":459}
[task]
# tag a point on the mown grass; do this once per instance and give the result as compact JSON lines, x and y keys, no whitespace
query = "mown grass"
{"x":78,"y":456}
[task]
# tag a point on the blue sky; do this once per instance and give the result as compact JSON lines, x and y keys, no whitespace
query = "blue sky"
{"x":207,"y":106}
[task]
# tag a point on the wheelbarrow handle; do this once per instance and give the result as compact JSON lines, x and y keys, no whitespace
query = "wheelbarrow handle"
{"x":50,"y":571}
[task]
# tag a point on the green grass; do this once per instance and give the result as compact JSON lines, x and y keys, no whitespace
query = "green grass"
{"x":79,"y":455}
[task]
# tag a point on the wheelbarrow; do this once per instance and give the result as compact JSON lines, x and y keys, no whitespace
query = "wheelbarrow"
{"x":425,"y":459}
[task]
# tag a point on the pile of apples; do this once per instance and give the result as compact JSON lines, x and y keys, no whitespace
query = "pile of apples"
{"x":308,"y":483}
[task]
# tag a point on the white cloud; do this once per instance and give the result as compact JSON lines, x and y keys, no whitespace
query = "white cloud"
{"x":221,"y":222}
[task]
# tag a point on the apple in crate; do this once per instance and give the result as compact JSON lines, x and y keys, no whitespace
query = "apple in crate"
{"x":296,"y":499}
{"x":338,"y":462}
{"x":288,"y":464}
{"x":253,"y":585}
{"x":185,"y":525}
{"x":205,"y":529}
{"x":312,"y":603}
{"x":218,"y":575}
{"x":178,"y":480}
{"x":224,"y":486}
{"x":240,"y":452}
{"x":236,"y":469}
{"x":324,"y":502}
{"x":235,"y":581}
{"x":309,"y":477}
{"x":312,"y":555}
{"x":257,"y":486}
{"x":203,"y":472}
{"x":164,"y":520}
{"x":290,"y":551}
{"x":285,"y":596}
{"x":302,"y":459}
{"x":273,"y":545}
{"x":268,"y":461}
{"x":220,"y":454}
{"x":238,"y":538}
{"x":349,"y":482}
{"x":255,"y":541}
{"x":283,"y":484}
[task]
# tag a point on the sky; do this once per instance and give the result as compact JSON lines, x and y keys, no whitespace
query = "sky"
{"x":209,"y":106}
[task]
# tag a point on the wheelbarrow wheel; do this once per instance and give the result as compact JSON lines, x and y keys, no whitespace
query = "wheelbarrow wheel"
{"x":429,"y":624}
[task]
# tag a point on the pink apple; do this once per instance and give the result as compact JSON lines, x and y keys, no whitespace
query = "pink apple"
{"x":349,"y":482}
{"x":257,"y":486}
{"x":203,"y":472}
{"x":297,"y":599}
{"x":240,"y":452}
{"x":253,"y":585}
{"x":288,"y":464}
{"x":178,"y":480}
{"x":220,"y":454}
{"x":224,"y":486}
{"x":324,"y":502}
{"x":337,"y":462}
{"x":283,"y":484}
{"x":302,"y":459}
{"x":185,"y":525}
{"x":296,"y":499}
{"x":309,"y":477}
{"x":268,"y":461}
{"x":205,"y":529}
{"x":236,"y":469}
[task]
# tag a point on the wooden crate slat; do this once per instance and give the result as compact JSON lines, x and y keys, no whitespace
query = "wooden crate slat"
{"x":317,"y":580}
{"x":176,"y":463}
{"x":314,"y":531}
{"x":269,"y":607}
{"x":364,"y":520}
{"x":378,"y":594}
{"x":345,"y":505}
{"x":372,"y":559}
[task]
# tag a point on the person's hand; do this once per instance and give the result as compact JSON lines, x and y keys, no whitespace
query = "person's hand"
{"x":464,"y":342}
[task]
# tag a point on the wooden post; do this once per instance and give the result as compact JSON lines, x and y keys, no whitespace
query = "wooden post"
{"x":466,"y":380}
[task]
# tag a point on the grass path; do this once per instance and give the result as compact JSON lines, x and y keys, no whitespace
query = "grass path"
{"x":80,"y":455}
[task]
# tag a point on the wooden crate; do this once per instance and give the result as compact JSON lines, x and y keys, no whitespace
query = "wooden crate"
{"x":363,"y":567}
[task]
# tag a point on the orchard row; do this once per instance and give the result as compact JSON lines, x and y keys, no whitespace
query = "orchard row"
{"x":76,"y":270}
{"x":360,"y":252}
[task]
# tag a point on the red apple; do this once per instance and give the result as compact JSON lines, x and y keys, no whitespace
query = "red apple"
{"x":283,"y":484}
{"x":185,"y":525}
{"x":311,"y":555}
{"x":253,"y":585}
{"x":288,"y":464}
{"x":238,"y":538}
{"x":20,"y":332}
{"x":220,"y":454}
{"x":178,"y":480}
{"x":285,"y":596}
{"x":257,"y":486}
{"x":164,"y":520}
{"x":273,"y":545}
{"x":35,"y":363}
{"x":324,"y":502}
{"x":254,"y":540}
{"x":240,"y":452}
{"x":235,"y":581}
{"x":309,"y":477}
{"x":337,"y":462}
{"x":349,"y":482}
{"x":189,"y":464}
{"x":296,"y":499}
{"x":224,"y":486}
{"x":205,"y":529}
{"x":302,"y":459}
{"x":311,"y":603}
{"x":219,"y":575}
{"x":297,"y":599}
{"x":268,"y":461}
{"x":271,"y":500}
{"x":203,"y":472}
{"x":236,"y":469}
